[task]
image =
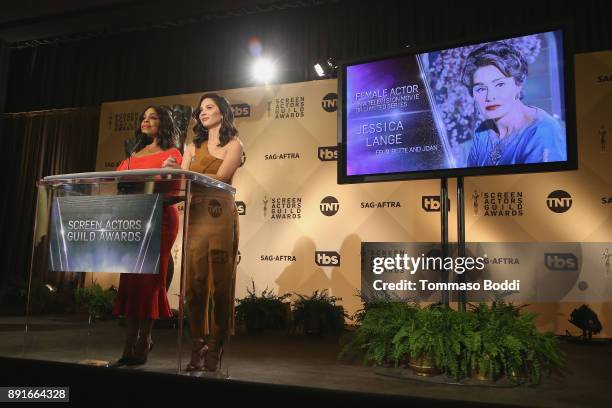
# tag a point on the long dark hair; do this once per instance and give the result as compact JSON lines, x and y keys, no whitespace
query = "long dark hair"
{"x":167,"y":135}
{"x":228,"y":129}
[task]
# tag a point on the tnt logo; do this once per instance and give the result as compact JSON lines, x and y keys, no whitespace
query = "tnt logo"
{"x":561,"y":262}
{"x":328,"y":153}
{"x":241,"y":110}
{"x":241,"y":206}
{"x":559,"y":201}
{"x":214,"y":208}
{"x":326,"y":258}
{"x":329,"y":206}
{"x":219,"y":256}
{"x":432,"y":203}
{"x":330,"y":102}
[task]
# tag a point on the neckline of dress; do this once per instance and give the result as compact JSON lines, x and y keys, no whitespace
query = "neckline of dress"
{"x":512,"y":134}
{"x":152,"y":154}
{"x":209,"y":153}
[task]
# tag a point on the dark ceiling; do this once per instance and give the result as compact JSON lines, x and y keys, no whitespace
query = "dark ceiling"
{"x":30,"y":20}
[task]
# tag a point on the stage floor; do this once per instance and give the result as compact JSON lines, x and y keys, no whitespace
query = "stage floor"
{"x":279,"y":358}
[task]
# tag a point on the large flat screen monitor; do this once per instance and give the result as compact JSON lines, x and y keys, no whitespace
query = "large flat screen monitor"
{"x":500,"y":106}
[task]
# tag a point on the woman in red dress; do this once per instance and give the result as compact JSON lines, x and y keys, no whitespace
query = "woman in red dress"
{"x":142,"y":298}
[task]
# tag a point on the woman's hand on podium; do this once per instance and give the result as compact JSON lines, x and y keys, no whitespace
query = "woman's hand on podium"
{"x":171,"y":162}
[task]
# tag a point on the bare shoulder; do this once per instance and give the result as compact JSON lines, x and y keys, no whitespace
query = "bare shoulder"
{"x":235,"y":144}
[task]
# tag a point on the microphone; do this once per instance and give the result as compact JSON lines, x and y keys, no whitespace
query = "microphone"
{"x":140,"y":142}
{"x":131,"y":146}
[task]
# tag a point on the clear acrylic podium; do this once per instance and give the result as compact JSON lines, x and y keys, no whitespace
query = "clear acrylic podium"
{"x":70,"y":286}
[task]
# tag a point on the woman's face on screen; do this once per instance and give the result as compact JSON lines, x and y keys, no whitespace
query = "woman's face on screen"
{"x":210,"y":115}
{"x":150,"y":123}
{"x":494,"y":93}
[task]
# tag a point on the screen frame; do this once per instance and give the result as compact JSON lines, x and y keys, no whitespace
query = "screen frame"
{"x":570,"y":113}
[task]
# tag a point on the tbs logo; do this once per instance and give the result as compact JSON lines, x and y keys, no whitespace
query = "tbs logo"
{"x":214,"y":208}
{"x":559,"y":201}
{"x":330,"y":102}
{"x":432,"y":203}
{"x":241,"y":206}
{"x":329,"y":206}
{"x":328,"y":153}
{"x":561,"y":262}
{"x":326,"y":258}
{"x":241,"y":110}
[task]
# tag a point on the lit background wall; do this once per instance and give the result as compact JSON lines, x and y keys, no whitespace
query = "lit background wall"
{"x":289,"y":135}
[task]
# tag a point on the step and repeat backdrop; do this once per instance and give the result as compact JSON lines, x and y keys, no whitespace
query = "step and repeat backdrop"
{"x":301,"y":231}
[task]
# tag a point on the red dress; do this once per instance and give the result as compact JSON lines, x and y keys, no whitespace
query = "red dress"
{"x":144,"y":296}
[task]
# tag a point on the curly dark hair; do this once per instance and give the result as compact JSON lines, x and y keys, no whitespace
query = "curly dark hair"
{"x":501,"y":55}
{"x":228,"y":129}
{"x":168,"y":135}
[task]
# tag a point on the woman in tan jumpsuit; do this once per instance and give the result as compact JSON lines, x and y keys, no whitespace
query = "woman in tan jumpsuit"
{"x":216,"y":152}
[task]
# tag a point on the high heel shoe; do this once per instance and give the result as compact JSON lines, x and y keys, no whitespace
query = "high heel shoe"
{"x":198,"y":354}
{"x":141,"y":359}
{"x":124,"y":360}
{"x":214,"y":355}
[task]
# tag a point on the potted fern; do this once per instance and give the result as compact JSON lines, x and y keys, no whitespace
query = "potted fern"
{"x":433,"y":341}
{"x":318,"y":314}
{"x":94,"y":300}
{"x":267,"y":311}
{"x":505,"y":342}
{"x":379,"y":325}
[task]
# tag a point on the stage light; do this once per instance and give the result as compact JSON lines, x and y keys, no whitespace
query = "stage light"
{"x":329,"y":69}
{"x":263,"y":70}
{"x":319,"y":69}
{"x":51,"y":288}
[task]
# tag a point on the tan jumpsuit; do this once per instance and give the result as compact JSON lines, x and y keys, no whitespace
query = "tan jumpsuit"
{"x":213,"y":245}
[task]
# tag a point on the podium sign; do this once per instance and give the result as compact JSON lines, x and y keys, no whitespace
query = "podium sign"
{"x":106,"y":233}
{"x":110,"y":223}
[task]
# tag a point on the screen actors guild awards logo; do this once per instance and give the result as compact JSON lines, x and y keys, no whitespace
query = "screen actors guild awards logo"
{"x":287,"y":108}
{"x":125,"y":121}
{"x":602,"y":133}
{"x":286,"y":208}
{"x":559,"y":201}
{"x":475,"y":196}
{"x":605,"y":258}
{"x":503,"y":204}
{"x":265,"y":204}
